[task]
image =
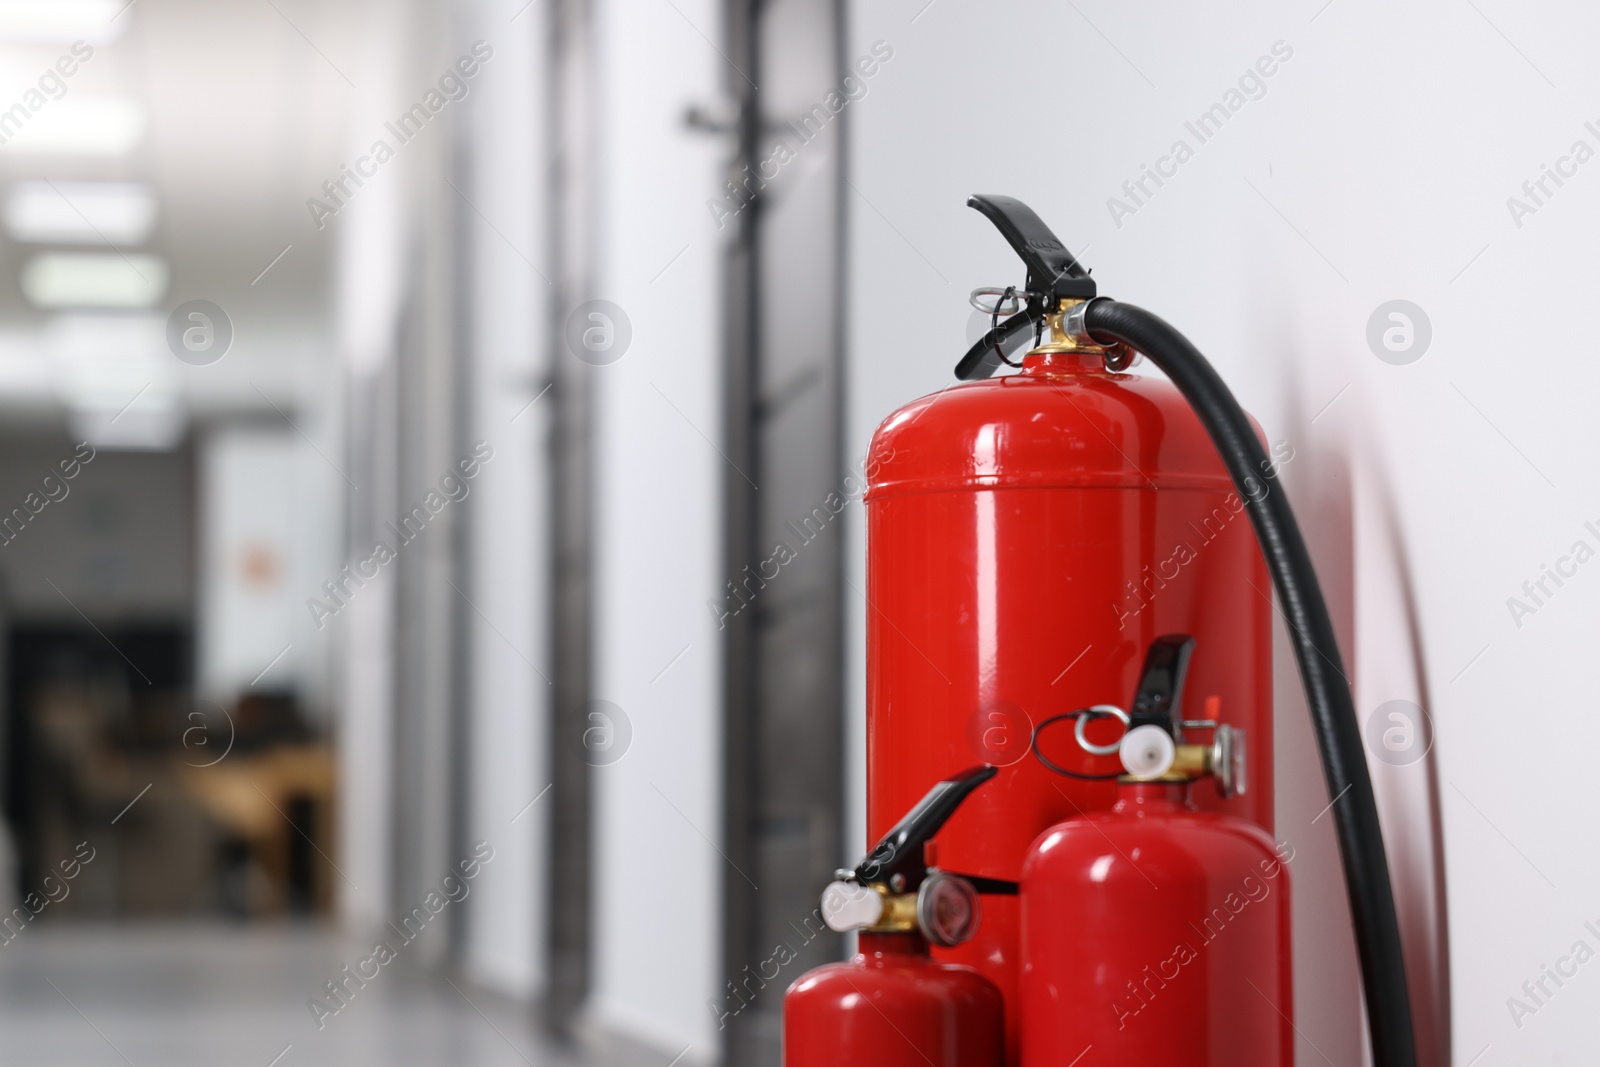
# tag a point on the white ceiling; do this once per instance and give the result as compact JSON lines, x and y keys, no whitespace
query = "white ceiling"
{"x":247,"y":104}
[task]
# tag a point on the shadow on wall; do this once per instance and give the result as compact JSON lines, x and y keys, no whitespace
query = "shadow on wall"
{"x":1327,"y":977}
{"x":1353,"y":529}
{"x":1411,"y":789}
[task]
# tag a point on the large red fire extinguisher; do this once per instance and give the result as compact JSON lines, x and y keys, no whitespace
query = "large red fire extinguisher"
{"x":1032,"y":539}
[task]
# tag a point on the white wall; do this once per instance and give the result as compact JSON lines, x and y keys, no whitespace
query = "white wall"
{"x":370,"y":238}
{"x":250,"y":590}
{"x":1376,"y":166}
{"x":508,"y":638}
{"x":658,"y":540}
{"x":492,"y":141}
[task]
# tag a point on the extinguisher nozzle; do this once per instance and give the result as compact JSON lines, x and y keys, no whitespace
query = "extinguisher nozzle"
{"x":1147,"y":751}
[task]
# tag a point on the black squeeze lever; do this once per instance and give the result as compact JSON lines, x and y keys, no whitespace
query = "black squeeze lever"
{"x":900,"y":851}
{"x":1159,"y":698}
{"x":1053,"y":273}
{"x":1052,"y":270}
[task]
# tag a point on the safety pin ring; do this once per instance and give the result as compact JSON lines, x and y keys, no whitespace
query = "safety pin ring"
{"x":1100,"y":711}
{"x":1001,"y":296}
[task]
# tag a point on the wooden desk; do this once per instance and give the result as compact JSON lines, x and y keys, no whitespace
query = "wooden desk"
{"x":250,"y":797}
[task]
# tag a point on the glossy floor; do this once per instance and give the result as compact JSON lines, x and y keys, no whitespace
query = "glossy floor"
{"x":171,"y":996}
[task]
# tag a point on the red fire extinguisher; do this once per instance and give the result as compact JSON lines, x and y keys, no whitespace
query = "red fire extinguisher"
{"x":1184,"y":913}
{"x":893,"y":1005}
{"x":1031,"y":539}
{"x":1025,"y":543}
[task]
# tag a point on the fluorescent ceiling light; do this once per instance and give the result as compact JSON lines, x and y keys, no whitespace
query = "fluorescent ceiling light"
{"x":143,"y":427}
{"x":78,"y":126}
{"x":94,"y":280}
{"x":103,"y":361}
{"x":26,"y":375}
{"x":125,"y":336}
{"x":122,"y":213}
{"x":117,"y":380}
{"x":63,"y":21}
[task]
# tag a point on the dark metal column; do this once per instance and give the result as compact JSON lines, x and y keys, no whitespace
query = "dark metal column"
{"x":783,"y":415}
{"x":571,"y":509}
{"x":427,"y":715}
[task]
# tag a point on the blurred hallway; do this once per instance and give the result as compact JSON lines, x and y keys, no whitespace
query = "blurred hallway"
{"x":438,"y":428}
{"x":286,"y":380}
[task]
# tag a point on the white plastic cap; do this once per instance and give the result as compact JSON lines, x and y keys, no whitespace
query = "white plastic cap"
{"x":850,"y":906}
{"x":1147,"y":752}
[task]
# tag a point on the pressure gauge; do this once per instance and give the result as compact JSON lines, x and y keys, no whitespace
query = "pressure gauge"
{"x":947,"y":909}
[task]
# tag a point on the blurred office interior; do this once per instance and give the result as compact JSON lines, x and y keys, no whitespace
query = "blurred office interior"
{"x":394,"y":395}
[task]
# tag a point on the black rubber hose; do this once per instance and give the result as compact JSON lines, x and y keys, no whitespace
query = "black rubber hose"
{"x":1316,"y":648}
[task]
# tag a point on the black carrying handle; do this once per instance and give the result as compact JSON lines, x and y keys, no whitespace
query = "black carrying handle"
{"x":900,"y":851}
{"x":1052,"y":270}
{"x":1053,"y":273}
{"x":1159,"y":699}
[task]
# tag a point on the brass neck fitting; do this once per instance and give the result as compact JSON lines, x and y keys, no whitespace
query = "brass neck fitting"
{"x":1069,"y":336}
{"x":899,"y":913}
{"x":1189,"y":762}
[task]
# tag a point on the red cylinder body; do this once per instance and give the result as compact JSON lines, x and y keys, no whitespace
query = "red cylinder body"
{"x":1027,"y":538}
{"x":1156,"y":932}
{"x":893,"y":1006}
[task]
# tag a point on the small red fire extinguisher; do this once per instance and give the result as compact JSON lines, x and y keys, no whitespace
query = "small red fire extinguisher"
{"x":1156,"y":929}
{"x":893,"y":1005}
